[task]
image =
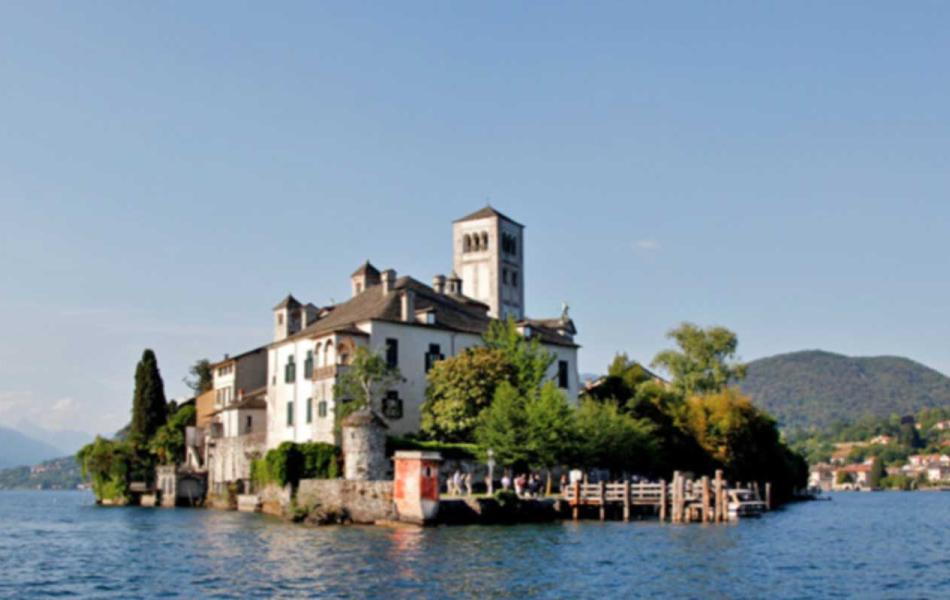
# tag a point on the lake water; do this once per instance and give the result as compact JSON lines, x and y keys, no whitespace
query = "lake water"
{"x":881,"y":545}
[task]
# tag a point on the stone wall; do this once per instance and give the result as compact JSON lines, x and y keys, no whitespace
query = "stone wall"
{"x":229,"y":459}
{"x":357,"y":501}
{"x":275,"y":500}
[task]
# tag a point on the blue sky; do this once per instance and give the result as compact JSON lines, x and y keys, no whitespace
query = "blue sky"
{"x":169,"y":171}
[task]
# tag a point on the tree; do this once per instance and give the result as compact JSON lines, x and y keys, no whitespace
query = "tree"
{"x":148,"y":400}
{"x":107,"y":465}
{"x":623,"y":378}
{"x":168,"y":443}
{"x":201,"y":379}
{"x":362,"y":383}
{"x":705,"y":361}
{"x":528,"y":358}
{"x":549,"y":423}
{"x":502,"y":427}
{"x":878,"y":473}
{"x":459,"y":389}
{"x":909,"y":437}
{"x":610,"y":439}
{"x":843,"y":477}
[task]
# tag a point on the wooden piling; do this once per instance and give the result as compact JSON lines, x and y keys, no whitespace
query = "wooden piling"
{"x":577,"y":500}
{"x":718,"y":491}
{"x":663,"y":500}
{"x":603,"y":501}
{"x":626,"y":500}
{"x":768,"y":495}
{"x":707,"y":512}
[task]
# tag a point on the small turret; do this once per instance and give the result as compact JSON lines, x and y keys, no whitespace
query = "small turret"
{"x":365,"y":277}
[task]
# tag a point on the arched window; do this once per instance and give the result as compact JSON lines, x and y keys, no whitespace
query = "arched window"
{"x":467,"y":243}
{"x":484,"y":241}
{"x":319,"y":354}
{"x":328,"y":354}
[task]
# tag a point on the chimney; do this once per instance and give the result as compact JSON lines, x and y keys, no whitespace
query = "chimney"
{"x":438,"y":284}
{"x":388,"y":280}
{"x":454,"y":286}
{"x":407,"y":302}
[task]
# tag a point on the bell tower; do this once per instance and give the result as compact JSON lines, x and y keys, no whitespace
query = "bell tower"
{"x":488,"y":255}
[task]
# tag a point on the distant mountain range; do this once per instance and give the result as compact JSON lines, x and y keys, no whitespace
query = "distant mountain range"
{"x":814,"y":388}
{"x":20,"y":449}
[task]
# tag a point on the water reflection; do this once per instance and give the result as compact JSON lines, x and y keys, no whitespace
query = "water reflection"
{"x":56,"y":544}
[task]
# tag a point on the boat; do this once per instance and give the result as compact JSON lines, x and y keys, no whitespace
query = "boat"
{"x":744,"y":503}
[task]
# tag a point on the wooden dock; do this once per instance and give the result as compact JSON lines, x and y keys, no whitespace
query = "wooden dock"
{"x":702,"y":500}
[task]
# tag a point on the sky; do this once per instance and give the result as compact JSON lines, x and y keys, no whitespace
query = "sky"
{"x":169,"y":171}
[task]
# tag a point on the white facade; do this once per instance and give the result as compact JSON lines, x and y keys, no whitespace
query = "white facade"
{"x":290,"y":419}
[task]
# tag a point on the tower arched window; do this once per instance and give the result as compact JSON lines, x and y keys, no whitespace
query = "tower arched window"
{"x":467,"y":243}
{"x":484,"y":241}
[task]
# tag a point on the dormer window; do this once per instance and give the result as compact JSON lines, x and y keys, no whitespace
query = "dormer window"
{"x":430,"y":318}
{"x":280,"y":318}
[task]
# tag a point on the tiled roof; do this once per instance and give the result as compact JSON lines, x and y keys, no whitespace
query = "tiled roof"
{"x":366,"y":268}
{"x":237,"y":356}
{"x":288,"y":302}
{"x":488,"y":211}
{"x":452,"y":312}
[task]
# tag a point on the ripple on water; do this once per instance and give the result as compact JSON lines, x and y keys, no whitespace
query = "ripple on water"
{"x":56,"y":543}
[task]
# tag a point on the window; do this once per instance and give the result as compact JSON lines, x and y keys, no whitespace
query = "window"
{"x":467,"y":243}
{"x":433,"y":356}
{"x":290,"y":370}
{"x":308,"y":365}
{"x":309,"y":410}
{"x":504,"y":276}
{"x":484,"y":245}
{"x":392,"y":352}
{"x":562,"y":376}
{"x":392,"y":405}
{"x":248,"y":423}
{"x":290,"y":413}
{"x":280,"y":318}
{"x":359,"y":288}
{"x":322,"y":408}
{"x":514,"y":278}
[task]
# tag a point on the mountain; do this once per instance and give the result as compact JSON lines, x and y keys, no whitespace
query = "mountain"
{"x":817,"y":388}
{"x":68,"y":441}
{"x":58,"y":474}
{"x":20,"y":449}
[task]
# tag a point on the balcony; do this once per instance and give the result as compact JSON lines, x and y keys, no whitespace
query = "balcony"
{"x":328,"y":372}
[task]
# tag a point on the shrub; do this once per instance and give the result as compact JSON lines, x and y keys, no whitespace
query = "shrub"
{"x":290,"y":462}
{"x":449,"y":450}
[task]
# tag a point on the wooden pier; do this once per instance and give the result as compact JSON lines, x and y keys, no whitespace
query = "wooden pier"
{"x":703,"y":500}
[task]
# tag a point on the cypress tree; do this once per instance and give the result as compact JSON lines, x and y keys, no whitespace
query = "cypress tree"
{"x":149,"y":410}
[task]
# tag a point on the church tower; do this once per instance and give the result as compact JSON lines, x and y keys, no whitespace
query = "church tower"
{"x":488,"y":250}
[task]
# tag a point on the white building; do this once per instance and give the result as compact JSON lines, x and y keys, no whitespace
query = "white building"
{"x":412,"y":324}
{"x":238,"y":431}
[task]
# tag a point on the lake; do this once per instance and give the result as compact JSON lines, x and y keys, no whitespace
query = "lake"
{"x":861,"y":545}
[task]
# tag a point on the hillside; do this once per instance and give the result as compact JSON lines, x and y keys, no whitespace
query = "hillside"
{"x":817,"y":388}
{"x":20,"y":449}
{"x":59,"y":474}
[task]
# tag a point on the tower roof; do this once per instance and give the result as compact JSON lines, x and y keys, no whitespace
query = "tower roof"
{"x":488,"y":211}
{"x":288,"y":302}
{"x":366,"y":268}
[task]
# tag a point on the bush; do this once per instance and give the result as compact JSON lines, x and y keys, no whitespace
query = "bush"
{"x":507,"y":499}
{"x":290,"y":462}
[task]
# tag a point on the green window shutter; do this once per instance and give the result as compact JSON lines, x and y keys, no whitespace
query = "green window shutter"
{"x":309,"y":410}
{"x":290,"y":413}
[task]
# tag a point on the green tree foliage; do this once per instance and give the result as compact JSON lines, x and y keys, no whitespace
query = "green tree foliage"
{"x":745,"y":441}
{"x":200,"y":378}
{"x":549,"y":420}
{"x":106,"y":464}
{"x":816,"y":390}
{"x":148,"y":400}
{"x":909,"y":437}
{"x":528,"y":358}
{"x":290,"y":462}
{"x":608,"y":438}
{"x":843,"y":477}
{"x":502,"y":427}
{"x":168,"y":443}
{"x":705,"y":361}
{"x":878,"y":473}
{"x":363,"y":382}
{"x":459,"y":388}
